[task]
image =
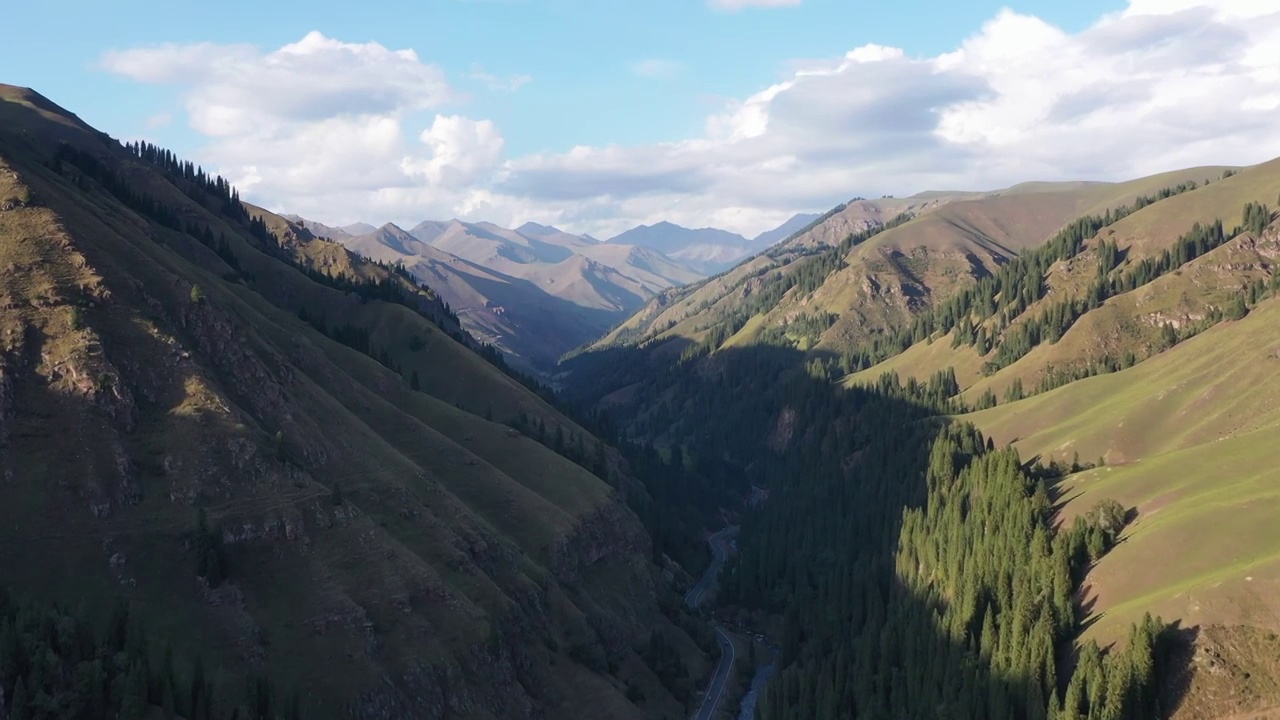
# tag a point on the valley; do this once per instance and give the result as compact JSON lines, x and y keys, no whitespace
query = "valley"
{"x":659,"y":424}
{"x":1144,"y":401}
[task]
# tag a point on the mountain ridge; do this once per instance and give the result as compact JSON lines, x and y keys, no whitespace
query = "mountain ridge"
{"x":291,"y":461}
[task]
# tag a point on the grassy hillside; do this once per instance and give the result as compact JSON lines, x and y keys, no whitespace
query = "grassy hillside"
{"x":1184,"y":437}
{"x":1138,"y":317}
{"x":373,"y":533}
{"x":1188,"y":439}
{"x":872,"y":266}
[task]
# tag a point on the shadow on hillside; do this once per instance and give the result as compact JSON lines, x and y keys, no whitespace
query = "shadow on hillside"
{"x":1180,"y":668}
{"x":550,"y":325}
{"x":820,"y":557}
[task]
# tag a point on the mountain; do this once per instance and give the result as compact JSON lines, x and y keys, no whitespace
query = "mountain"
{"x":255,"y":460}
{"x":870,"y":265}
{"x":707,"y":250}
{"x":1034,"y":422}
{"x":771,"y":237}
{"x":320,"y":229}
{"x":535,"y":292}
{"x":669,"y":238}
{"x":359,"y":228}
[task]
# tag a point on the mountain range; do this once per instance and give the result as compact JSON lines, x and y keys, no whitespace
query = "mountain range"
{"x":536,"y":292}
{"x":707,"y":250}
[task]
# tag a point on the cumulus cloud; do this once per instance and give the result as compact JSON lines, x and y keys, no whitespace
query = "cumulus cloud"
{"x":320,"y":124}
{"x":463,"y":151}
{"x":1160,"y":85}
{"x":1155,"y":87}
{"x":236,"y":87}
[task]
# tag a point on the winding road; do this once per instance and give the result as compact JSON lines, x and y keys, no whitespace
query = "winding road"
{"x":715,"y":691}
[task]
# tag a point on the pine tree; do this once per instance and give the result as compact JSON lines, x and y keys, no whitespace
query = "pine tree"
{"x":19,"y":708}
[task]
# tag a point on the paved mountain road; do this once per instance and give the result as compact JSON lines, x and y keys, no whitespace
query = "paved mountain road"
{"x":715,"y":691}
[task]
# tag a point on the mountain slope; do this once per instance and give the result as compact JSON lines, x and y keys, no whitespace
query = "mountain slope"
{"x":320,"y":229}
{"x":1132,"y":322}
{"x":797,"y":223}
{"x":841,"y":284}
{"x":1188,"y":441}
{"x":189,"y":387}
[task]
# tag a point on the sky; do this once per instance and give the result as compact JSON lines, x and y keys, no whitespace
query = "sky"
{"x":598,"y":115}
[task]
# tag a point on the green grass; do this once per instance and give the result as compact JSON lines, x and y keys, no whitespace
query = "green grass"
{"x":1206,"y":523}
{"x":922,"y":360}
{"x":747,"y":334}
{"x":1189,"y":438}
{"x":1188,"y":434}
{"x":1217,"y":384}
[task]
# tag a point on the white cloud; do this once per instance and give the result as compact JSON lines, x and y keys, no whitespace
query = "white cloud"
{"x":1155,"y":87}
{"x":1160,"y":85}
{"x":510,"y":83}
{"x":235,"y":88}
{"x":655,"y":68}
{"x":463,"y":152}
{"x":735,"y":5}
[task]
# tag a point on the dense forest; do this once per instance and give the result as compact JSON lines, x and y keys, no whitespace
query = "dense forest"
{"x":57,"y":663}
{"x":916,"y":568}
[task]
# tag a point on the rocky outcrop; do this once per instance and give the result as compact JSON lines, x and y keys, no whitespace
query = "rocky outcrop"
{"x":254,"y":374}
{"x":285,"y":525}
{"x":611,"y":530}
{"x":87,"y":373}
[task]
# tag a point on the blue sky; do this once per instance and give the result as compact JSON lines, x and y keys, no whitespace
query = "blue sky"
{"x":579,"y":55}
{"x":501,"y":91}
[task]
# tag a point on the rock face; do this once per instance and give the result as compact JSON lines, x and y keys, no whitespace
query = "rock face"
{"x":403,"y":555}
{"x":611,"y":531}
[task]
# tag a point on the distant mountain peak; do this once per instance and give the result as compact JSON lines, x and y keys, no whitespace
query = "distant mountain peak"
{"x":707,"y":250}
{"x":785,"y":230}
{"x":359,"y":228}
{"x":537,"y":229}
